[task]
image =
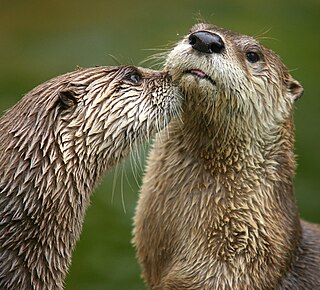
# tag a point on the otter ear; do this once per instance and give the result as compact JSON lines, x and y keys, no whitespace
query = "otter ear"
{"x":67,"y":99}
{"x":295,"y":89}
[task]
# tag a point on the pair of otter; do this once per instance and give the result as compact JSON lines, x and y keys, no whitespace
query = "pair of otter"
{"x":217,"y":208}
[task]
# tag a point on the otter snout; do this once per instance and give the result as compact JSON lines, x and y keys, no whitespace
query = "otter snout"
{"x":206,"y":42}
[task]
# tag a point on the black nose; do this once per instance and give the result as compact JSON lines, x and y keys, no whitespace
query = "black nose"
{"x":206,"y":42}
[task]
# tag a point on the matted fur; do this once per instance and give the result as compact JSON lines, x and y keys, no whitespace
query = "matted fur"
{"x":217,"y":207}
{"x":55,"y":144}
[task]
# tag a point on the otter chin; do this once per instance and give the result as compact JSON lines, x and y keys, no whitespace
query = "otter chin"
{"x":217,"y":208}
{"x":55,"y":146}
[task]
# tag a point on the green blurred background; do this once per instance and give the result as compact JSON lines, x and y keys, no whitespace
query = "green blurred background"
{"x":42,"y":39}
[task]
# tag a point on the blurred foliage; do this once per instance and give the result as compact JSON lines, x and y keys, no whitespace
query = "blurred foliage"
{"x":41,"y":39}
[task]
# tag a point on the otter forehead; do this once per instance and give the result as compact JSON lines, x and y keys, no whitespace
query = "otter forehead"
{"x":239,"y":39}
{"x":213,"y":28}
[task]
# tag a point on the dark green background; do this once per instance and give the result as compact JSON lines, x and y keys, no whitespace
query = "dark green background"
{"x":41,"y":39}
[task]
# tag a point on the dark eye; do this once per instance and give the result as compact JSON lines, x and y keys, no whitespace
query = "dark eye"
{"x":135,"y":77}
{"x":252,"y":56}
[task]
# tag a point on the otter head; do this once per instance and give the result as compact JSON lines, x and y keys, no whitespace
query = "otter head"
{"x":226,"y":74}
{"x":88,"y":120}
{"x":105,"y":114}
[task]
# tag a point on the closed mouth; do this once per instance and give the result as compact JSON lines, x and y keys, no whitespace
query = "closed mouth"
{"x":200,"y":75}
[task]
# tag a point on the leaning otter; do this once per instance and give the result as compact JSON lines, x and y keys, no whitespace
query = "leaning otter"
{"x":55,"y":144}
{"x":217,"y":207}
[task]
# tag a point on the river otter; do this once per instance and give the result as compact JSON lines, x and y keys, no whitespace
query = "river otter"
{"x":217,"y":207}
{"x":55,"y":145}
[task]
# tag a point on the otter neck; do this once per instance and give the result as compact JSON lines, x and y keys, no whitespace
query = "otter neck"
{"x":249,"y":177}
{"x":44,"y":217}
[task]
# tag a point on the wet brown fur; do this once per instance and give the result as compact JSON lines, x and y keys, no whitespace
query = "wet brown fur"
{"x":55,"y":145}
{"x":217,"y":207}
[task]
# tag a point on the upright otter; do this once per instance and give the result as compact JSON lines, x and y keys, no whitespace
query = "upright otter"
{"x":217,"y":207}
{"x":55,"y":144}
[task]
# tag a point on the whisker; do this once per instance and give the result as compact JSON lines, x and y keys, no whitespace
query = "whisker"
{"x":122,"y":192}
{"x":115,"y":59}
{"x":133,"y":165}
{"x":157,"y":59}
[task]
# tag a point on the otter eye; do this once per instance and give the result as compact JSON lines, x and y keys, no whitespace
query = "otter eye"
{"x":135,"y":77}
{"x":252,"y":56}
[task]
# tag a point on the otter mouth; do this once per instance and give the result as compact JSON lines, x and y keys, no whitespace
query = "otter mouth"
{"x":200,"y":75}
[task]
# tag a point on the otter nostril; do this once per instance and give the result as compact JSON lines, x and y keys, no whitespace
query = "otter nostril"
{"x":192,"y":40}
{"x":206,"y":42}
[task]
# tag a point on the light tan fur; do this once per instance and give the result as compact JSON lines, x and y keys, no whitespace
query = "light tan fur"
{"x":55,"y":145}
{"x":217,"y":207}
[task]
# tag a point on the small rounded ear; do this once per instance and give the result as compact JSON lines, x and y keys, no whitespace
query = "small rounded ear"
{"x":67,"y":99}
{"x":295,"y":89}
